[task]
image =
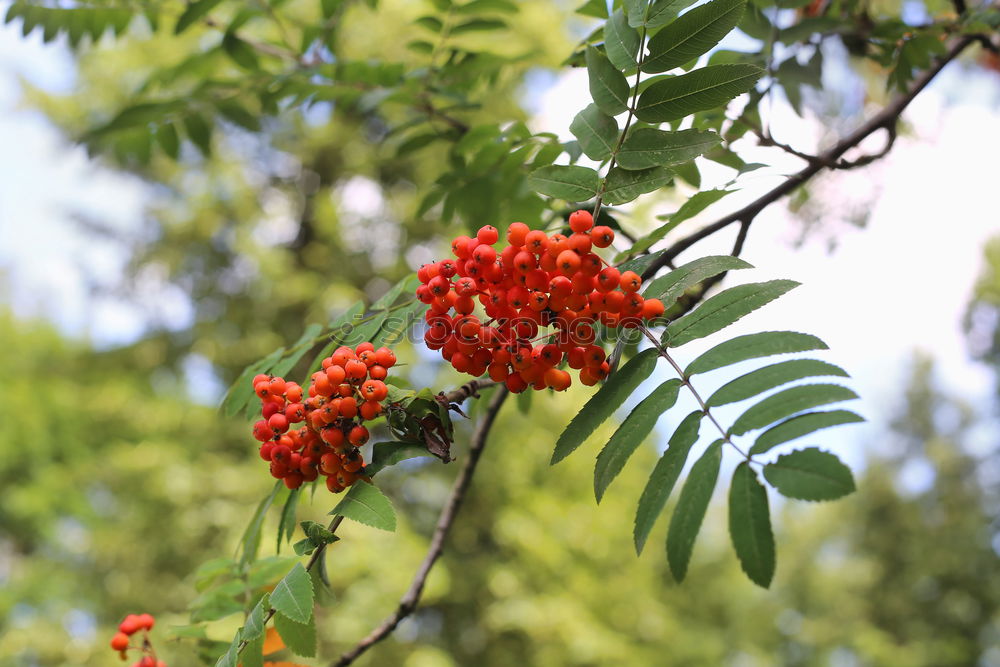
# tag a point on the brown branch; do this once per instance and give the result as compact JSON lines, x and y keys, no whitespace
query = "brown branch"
{"x":885,"y":119}
{"x":408,"y":603}
{"x":468,"y":389}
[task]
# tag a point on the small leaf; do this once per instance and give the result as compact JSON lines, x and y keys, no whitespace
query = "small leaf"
{"x":565,"y":182}
{"x":810,"y":474}
{"x":750,"y":525}
{"x":365,"y":504}
{"x":476,"y":6}
{"x":300,"y":637}
{"x":251,"y":536}
{"x":690,"y":510}
{"x":431,"y":23}
{"x":653,"y":13}
{"x":608,"y":86}
{"x":596,"y":132}
{"x":240,"y":393}
{"x":242,"y":53}
{"x":293,"y":595}
{"x":664,"y":476}
{"x":753,"y":346}
{"x":769,"y":377}
{"x":621,"y":41}
{"x":706,"y":88}
{"x":597,"y":9}
{"x":630,"y":434}
{"x":696,"y":204}
{"x":647,"y":147}
{"x":254,"y":625}
{"x":194,"y":12}
{"x":718,"y":312}
{"x":693,"y":34}
{"x":602,"y":404}
{"x":641,"y":263}
{"x":669,"y":287}
{"x":623,"y":186}
{"x":788,"y":402}
{"x":478,"y":25}
{"x":286,"y":525}
{"x":796,"y":427}
{"x":199,"y":131}
{"x":169,"y":141}
{"x":252,"y":654}
{"x":231,"y":655}
{"x":385,"y":454}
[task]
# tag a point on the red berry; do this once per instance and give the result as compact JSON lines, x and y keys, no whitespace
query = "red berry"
{"x":581,"y":221}
{"x":119,"y":642}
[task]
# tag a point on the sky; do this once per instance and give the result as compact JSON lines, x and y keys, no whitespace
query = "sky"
{"x":897,"y":285}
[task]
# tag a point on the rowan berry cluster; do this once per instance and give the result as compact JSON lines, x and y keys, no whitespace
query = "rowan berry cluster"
{"x":348,"y":390}
{"x":122,"y":641}
{"x":537,"y":281}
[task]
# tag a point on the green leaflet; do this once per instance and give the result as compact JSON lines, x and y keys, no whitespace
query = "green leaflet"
{"x":286,"y":526}
{"x":623,"y":186}
{"x":670,"y":286}
{"x":251,"y":536}
{"x":693,"y":34}
{"x":602,"y":404}
{"x":194,"y":12}
{"x":753,"y":346}
{"x":690,"y":510}
{"x":706,"y":88}
{"x":664,"y":477}
{"x":630,"y":434}
{"x":721,"y":310}
{"x":810,"y":474}
{"x":769,"y":377}
{"x":796,"y":427}
{"x":300,"y":637}
{"x":621,"y":41}
{"x":596,"y":131}
{"x":788,"y":402}
{"x":293,"y":595}
{"x":647,"y":147}
{"x":385,"y":454}
{"x":240,"y":393}
{"x":365,"y":504}
{"x":750,"y":525}
{"x":608,"y":86}
{"x":565,"y":182}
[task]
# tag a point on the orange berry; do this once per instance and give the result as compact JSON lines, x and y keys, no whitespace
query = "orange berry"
{"x":630,"y":281}
{"x":358,"y":436}
{"x":602,"y":236}
{"x":385,"y":357}
{"x":516,"y":233}
{"x":652,"y":308}
{"x":119,"y":642}
{"x":335,"y":374}
{"x":355,"y":369}
{"x":581,"y":221}
{"x":370,"y":409}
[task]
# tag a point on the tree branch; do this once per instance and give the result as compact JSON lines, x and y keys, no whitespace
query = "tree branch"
{"x":408,"y":603}
{"x":885,"y":119}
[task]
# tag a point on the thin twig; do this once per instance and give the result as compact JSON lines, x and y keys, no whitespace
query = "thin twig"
{"x":628,"y":123}
{"x":694,"y":392}
{"x":408,"y":603}
{"x":885,"y":119}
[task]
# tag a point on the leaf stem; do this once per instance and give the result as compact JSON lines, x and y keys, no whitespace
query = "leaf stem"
{"x":628,"y":123}
{"x":694,"y":392}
